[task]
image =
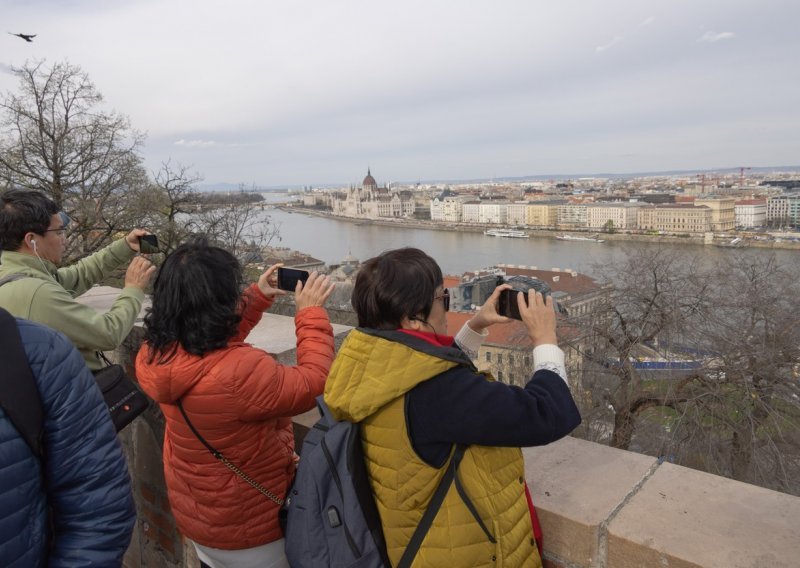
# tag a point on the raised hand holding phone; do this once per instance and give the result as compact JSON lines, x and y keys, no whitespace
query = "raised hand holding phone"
{"x":268,"y":282}
{"x":314,"y":292}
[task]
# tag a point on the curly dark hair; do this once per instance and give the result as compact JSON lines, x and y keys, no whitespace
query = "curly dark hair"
{"x":23,"y":211}
{"x":196,"y":301}
{"x":396,"y":284}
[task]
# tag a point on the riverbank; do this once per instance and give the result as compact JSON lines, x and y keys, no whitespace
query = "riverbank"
{"x":697,"y":240}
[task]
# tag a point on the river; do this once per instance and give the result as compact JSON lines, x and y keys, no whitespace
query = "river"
{"x":330,"y":240}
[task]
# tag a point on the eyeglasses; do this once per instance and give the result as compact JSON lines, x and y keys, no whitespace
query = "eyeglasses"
{"x":445,"y":298}
{"x":62,"y":230}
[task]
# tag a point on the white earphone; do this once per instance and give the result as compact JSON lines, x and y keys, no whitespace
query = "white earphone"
{"x":33,"y":243}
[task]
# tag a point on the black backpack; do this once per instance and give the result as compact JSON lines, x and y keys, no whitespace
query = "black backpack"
{"x":330,"y":514}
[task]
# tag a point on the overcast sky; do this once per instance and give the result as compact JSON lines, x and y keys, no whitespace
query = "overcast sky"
{"x":315,"y":91}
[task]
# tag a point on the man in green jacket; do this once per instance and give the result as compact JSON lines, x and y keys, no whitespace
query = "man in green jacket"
{"x":33,"y":241}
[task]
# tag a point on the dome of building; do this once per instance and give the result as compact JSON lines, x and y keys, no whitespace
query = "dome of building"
{"x":369,"y":181}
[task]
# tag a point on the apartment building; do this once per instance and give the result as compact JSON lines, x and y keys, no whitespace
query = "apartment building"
{"x":675,"y":218}
{"x":723,"y":212}
{"x":471,"y":212}
{"x":542,"y":214}
{"x":784,"y":209}
{"x":620,"y":215}
{"x":493,"y":212}
{"x":517,"y":213}
{"x":751,"y":213}
{"x":572,"y":215}
{"x":447,"y":208}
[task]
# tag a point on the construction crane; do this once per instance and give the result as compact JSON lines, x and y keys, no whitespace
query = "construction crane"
{"x":741,"y":175}
{"x":711,"y":181}
{"x":702,"y":182}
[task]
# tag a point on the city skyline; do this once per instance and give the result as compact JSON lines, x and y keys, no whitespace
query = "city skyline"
{"x":315,"y":93}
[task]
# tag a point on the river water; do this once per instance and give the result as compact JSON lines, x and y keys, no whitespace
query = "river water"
{"x":330,"y":240}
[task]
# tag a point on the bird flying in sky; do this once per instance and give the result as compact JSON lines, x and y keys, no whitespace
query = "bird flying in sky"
{"x":26,"y":37}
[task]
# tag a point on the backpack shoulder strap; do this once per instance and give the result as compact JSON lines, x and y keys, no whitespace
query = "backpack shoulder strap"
{"x":19,"y":395}
{"x":12,"y":278}
{"x":433,"y":508}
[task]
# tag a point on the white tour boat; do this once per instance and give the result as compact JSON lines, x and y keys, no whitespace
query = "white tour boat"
{"x":593,"y":239}
{"x":514,"y":234}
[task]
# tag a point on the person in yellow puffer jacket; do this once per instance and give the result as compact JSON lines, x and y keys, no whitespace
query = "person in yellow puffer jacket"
{"x":416,"y":393}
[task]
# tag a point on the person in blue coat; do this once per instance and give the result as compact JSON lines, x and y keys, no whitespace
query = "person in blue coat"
{"x":75,"y":507}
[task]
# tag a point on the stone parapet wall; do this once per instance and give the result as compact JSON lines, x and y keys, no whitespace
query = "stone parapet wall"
{"x":601,"y":507}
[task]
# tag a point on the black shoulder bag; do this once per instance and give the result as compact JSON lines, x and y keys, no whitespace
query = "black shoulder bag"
{"x":124,"y":398}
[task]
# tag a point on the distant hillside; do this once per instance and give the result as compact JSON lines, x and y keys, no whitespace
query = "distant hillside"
{"x":222,"y":186}
{"x":515,"y":179}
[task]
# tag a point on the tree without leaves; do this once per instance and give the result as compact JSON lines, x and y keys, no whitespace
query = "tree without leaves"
{"x":169,"y":201}
{"x":654,"y":296}
{"x":239,"y":227}
{"x":57,"y":139}
{"x":738,"y":413}
{"x":744,"y":416}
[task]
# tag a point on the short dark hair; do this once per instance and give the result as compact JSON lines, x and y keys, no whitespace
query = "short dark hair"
{"x":196,"y":301}
{"x":23,"y":211}
{"x":396,"y":284}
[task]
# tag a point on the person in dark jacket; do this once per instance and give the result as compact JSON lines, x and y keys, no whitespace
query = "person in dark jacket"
{"x":416,"y":393}
{"x":74,"y":508}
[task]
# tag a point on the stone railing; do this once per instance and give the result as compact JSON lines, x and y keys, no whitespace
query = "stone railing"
{"x":601,"y":507}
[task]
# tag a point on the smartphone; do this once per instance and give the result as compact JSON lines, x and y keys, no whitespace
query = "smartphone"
{"x":289,"y":277}
{"x":507,"y":304}
{"x":148,"y":244}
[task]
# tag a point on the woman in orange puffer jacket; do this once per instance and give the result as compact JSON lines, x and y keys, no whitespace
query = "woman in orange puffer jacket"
{"x":237,"y":397}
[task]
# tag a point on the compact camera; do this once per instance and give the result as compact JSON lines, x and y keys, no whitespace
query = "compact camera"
{"x":507,"y":302}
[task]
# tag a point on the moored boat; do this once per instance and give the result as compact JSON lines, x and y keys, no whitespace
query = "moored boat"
{"x":511,"y":233}
{"x":594,"y":239}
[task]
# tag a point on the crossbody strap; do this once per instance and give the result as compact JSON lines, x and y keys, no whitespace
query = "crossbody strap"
{"x":230,"y":465}
{"x":103,"y":358}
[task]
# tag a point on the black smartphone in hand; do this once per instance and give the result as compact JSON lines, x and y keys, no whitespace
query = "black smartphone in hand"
{"x":148,"y":244}
{"x":289,"y":277}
